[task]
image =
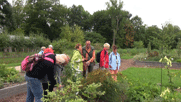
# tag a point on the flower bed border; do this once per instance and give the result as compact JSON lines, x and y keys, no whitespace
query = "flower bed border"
{"x":157,"y":64}
{"x":13,"y":90}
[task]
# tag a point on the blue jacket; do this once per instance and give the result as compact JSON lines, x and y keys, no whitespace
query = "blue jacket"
{"x":41,"y":52}
{"x":113,"y":62}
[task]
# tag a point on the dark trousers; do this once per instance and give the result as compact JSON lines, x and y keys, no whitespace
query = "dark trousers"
{"x":90,"y":69}
{"x":45,"y":87}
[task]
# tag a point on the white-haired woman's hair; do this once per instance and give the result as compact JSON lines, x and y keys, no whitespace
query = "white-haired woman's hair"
{"x":43,"y":47}
{"x":106,"y":45}
{"x":62,"y":57}
{"x":50,"y":46}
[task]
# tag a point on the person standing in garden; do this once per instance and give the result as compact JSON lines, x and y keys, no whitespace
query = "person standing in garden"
{"x":77,"y":58}
{"x":104,"y":57}
{"x":89,"y":56}
{"x":42,"y":50}
{"x":114,"y":62}
{"x":33,"y":78}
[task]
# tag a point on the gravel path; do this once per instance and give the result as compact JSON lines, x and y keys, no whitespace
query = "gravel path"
{"x":22,"y":97}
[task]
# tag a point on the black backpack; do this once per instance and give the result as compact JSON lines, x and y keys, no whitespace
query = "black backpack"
{"x":98,"y":56}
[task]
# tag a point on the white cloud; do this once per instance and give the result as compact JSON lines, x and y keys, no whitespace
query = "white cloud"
{"x":152,"y":12}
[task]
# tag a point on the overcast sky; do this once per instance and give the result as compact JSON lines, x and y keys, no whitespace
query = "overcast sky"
{"x":152,"y":12}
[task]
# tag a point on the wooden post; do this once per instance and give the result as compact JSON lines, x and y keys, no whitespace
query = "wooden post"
{"x":5,"y":49}
{"x":10,"y":49}
{"x":15,"y":49}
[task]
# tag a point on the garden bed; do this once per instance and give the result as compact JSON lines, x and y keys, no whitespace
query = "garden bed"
{"x":156,"y":64}
{"x":13,"y":90}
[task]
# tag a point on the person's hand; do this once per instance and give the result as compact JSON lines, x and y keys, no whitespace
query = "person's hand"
{"x":110,"y":66}
{"x":83,"y":59}
{"x":60,"y":86}
{"x":88,"y":63}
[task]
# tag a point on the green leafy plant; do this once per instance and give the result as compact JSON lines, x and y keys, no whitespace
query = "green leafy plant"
{"x":60,"y":45}
{"x":139,"y":92}
{"x":1,"y":83}
{"x":179,"y":47}
{"x":114,"y":91}
{"x":140,"y":57}
{"x":178,"y":60}
{"x":149,"y":47}
{"x":10,"y":74}
{"x":138,"y":44}
{"x":91,"y":91}
{"x":168,"y":64}
{"x":71,"y":93}
{"x":68,"y":94}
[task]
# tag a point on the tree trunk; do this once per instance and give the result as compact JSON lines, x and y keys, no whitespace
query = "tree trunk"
{"x":15,"y":49}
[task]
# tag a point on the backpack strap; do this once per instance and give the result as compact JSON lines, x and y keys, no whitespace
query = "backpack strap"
{"x":111,"y":58}
{"x":47,"y":54}
{"x":47,"y":58}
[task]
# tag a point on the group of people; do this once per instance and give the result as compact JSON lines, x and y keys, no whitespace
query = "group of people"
{"x":83,"y":59}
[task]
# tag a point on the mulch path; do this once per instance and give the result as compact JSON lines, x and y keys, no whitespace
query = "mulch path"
{"x":22,"y":97}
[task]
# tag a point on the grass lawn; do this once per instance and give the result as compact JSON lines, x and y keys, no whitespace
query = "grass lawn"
{"x":11,"y":60}
{"x":153,"y":75}
{"x":127,"y":57}
{"x":13,"y":64}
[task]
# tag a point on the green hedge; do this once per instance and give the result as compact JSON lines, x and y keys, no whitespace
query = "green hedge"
{"x":20,"y":41}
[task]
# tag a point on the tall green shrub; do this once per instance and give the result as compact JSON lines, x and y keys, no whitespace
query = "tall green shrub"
{"x":72,"y":34}
{"x":179,"y":48}
{"x":138,"y":44}
{"x":149,"y":47}
{"x":5,"y":40}
{"x":94,"y":37}
{"x":60,"y":45}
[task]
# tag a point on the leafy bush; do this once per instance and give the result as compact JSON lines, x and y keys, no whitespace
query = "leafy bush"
{"x":10,"y":74}
{"x":168,"y":96}
{"x":136,"y":51}
{"x":115,"y":91}
{"x":72,"y":34}
{"x":178,"y":48}
{"x":60,"y":45}
{"x":122,"y":51}
{"x":1,"y":83}
{"x":3,"y":70}
{"x":72,"y":92}
{"x":140,"y":56}
{"x":138,"y":44}
{"x":20,"y":41}
{"x":178,"y":60}
{"x":5,"y":41}
{"x":98,"y":46}
{"x":153,"y":54}
{"x":149,"y":47}
{"x":133,"y":51}
{"x":139,"y":92}
{"x":94,"y":37}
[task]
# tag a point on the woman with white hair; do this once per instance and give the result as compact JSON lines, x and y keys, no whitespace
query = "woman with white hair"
{"x":61,"y":61}
{"x":104,"y":57}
